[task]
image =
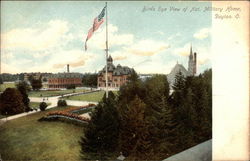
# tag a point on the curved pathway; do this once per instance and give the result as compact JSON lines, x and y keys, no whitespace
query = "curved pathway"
{"x":53,"y":101}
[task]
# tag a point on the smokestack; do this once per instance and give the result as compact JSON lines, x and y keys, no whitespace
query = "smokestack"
{"x":68,"y":68}
{"x":195,"y":63}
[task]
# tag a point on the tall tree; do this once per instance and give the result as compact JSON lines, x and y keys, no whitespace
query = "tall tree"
{"x":101,"y":134}
{"x":134,"y":136}
{"x":24,"y":88}
{"x":89,"y":80}
{"x":36,"y":84}
{"x":11,"y":102}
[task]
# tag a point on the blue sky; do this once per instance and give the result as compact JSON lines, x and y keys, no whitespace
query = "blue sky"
{"x":44,"y":36}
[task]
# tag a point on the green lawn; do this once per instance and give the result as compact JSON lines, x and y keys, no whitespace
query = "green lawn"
{"x":53,"y":93}
{"x":6,"y":85}
{"x":92,"y":97}
{"x":26,"y":139}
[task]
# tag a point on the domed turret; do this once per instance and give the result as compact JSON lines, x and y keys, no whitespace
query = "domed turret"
{"x":110,"y":59}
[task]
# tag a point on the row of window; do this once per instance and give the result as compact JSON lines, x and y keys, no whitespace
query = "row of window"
{"x":64,"y":81}
{"x":115,"y":79}
{"x":109,"y":85}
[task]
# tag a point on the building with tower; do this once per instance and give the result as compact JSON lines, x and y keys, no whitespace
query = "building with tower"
{"x":192,"y":68}
{"x":192,"y":62}
{"x":117,"y":75}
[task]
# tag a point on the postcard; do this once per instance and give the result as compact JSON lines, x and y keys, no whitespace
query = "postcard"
{"x":124,"y":80}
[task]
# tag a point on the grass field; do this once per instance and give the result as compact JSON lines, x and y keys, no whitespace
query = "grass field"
{"x":26,"y":139}
{"x":92,"y":97}
{"x":6,"y":85}
{"x":53,"y":93}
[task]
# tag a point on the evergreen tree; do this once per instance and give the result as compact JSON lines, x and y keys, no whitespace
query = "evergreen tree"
{"x":157,"y":87}
{"x":134,"y":87}
{"x":134,"y":136}
{"x":101,"y":134}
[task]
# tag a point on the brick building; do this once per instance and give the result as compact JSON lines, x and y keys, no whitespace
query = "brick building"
{"x":64,"y":80}
{"x":117,"y":76}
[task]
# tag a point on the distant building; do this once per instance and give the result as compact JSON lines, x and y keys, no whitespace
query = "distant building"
{"x":192,"y":62}
{"x":117,"y":76}
{"x":144,"y":77}
{"x":192,"y":68}
{"x":64,"y":80}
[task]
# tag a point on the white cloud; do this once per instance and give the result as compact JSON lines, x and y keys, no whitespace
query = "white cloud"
{"x":155,"y":67}
{"x":147,"y":47}
{"x":202,"y":34}
{"x":73,"y":57}
{"x":39,"y":38}
{"x":98,"y":39}
{"x":183,"y":51}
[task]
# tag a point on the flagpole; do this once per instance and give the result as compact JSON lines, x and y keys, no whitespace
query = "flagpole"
{"x":106,"y":50}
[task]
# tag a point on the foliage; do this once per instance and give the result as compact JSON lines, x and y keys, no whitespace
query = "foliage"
{"x":153,"y":124}
{"x":6,"y":77}
{"x":61,"y":103}
{"x":11,"y":102}
{"x":89,"y":80}
{"x":191,"y":102}
{"x":36,"y":84}
{"x":24,"y":88}
{"x":45,"y":79}
{"x":1,"y":79}
{"x":43,"y":106}
{"x":101,"y":134}
{"x":135,"y":137}
{"x":71,"y":86}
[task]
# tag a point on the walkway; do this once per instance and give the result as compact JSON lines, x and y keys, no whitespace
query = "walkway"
{"x":53,"y":101}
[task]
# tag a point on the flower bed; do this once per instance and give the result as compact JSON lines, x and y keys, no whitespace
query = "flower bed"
{"x":69,"y":114}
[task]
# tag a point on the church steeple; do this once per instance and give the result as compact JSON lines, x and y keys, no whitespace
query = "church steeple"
{"x":191,"y":53}
{"x":191,"y":62}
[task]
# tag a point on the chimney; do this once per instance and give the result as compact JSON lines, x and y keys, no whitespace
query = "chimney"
{"x":195,"y":63}
{"x":68,"y":68}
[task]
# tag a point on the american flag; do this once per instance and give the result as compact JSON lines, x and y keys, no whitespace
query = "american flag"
{"x":97,"y":23}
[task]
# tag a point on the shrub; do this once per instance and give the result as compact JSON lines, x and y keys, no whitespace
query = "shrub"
{"x":43,"y":106}
{"x":11,"y":102}
{"x":61,"y":103}
{"x":71,"y":86}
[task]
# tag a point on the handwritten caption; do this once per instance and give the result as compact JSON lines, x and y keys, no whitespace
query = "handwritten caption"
{"x":227,"y":12}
